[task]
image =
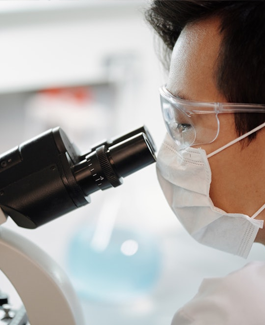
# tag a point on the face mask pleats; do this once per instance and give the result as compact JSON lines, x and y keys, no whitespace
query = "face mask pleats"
{"x":185,"y":178}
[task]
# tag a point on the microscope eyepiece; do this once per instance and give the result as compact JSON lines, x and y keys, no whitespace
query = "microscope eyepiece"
{"x":47,"y":176}
{"x":106,"y":165}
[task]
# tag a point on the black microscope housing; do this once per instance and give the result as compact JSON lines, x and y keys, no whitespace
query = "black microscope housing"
{"x":47,"y":176}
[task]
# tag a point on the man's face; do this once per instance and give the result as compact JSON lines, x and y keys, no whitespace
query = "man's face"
{"x":236,"y":185}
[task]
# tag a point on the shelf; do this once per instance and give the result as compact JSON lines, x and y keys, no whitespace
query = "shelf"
{"x":18,"y":7}
{"x":65,"y":43}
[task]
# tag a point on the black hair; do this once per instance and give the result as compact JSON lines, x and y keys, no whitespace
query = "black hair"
{"x":240,"y":76}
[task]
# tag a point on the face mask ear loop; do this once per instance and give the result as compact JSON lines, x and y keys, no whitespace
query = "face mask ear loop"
{"x":258,"y":212}
{"x":236,"y":140}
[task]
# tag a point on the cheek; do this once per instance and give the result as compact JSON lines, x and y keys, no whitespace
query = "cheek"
{"x":225,"y":170}
{"x":233,"y":181}
{"x":231,"y":170}
{"x":226,"y":134}
{"x":206,"y":126}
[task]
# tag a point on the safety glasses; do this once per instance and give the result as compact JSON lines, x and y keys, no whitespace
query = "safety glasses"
{"x":193,"y":123}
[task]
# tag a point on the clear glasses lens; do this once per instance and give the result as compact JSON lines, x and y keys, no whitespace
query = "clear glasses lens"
{"x":189,"y":129}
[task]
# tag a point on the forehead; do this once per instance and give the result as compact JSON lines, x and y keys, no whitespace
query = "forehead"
{"x":194,"y":62}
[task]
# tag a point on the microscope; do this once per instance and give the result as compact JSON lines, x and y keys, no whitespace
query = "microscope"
{"x":41,"y":180}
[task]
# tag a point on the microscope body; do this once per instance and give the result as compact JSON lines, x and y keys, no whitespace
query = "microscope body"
{"x":47,"y":177}
{"x":42,"y":179}
{"x":36,"y":182}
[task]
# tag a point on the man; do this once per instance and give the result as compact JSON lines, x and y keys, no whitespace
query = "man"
{"x":211,"y":164}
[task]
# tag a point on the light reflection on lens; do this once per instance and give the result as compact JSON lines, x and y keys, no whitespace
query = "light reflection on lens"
{"x":129,"y":247}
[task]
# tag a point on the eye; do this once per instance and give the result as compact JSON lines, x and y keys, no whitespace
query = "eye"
{"x":183,"y":127}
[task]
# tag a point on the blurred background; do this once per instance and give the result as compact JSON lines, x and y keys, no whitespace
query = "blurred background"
{"x":91,"y":68}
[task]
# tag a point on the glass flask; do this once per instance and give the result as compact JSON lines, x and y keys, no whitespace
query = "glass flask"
{"x":113,"y":261}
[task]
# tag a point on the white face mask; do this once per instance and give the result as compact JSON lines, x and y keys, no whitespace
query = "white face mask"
{"x":185,"y":178}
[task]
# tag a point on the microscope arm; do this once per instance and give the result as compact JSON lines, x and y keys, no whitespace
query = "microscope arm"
{"x":41,"y":284}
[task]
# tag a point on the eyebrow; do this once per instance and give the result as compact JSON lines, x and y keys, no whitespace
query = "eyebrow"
{"x":180,"y":95}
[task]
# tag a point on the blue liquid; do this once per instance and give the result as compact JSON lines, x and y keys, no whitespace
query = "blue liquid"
{"x":128,"y":267}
